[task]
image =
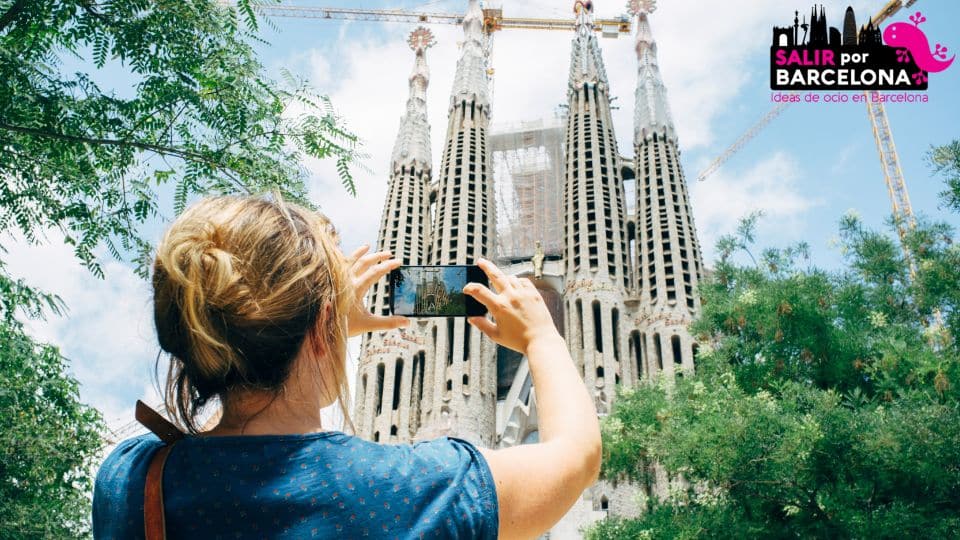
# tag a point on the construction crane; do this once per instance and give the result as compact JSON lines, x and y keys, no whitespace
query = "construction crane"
{"x":883,"y":135}
{"x":493,"y":19}
{"x":743,"y":140}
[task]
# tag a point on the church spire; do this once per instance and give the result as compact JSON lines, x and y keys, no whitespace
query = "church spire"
{"x":413,"y":140}
{"x":586,"y":63}
{"x":652,"y":109}
{"x":471,"y":77}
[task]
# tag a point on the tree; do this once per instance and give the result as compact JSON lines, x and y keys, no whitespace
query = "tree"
{"x":87,"y":161}
{"x":49,"y":442}
{"x":825,"y":403}
{"x":90,"y":164}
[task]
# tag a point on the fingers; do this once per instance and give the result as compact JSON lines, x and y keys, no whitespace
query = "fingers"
{"x":368,"y":322}
{"x":482,"y":294}
{"x":362,"y":264}
{"x":486,"y":326}
{"x":389,"y":323}
{"x":496,"y":276}
{"x":358,"y":253}
{"x":375,"y":272}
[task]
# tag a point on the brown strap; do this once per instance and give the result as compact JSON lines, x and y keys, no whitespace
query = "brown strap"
{"x":159,"y":425}
{"x":154,"y":525}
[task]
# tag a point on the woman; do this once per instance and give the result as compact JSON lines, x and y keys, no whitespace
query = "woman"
{"x":254,"y":302}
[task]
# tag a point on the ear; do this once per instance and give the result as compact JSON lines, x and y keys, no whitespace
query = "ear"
{"x":317,"y":336}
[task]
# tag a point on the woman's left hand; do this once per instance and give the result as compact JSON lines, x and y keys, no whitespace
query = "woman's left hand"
{"x":366,"y":269}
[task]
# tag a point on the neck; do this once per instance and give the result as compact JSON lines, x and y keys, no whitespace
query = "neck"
{"x":293,"y":411}
{"x":251,"y":412}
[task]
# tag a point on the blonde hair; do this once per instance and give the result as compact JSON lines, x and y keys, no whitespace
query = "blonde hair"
{"x":240,"y":285}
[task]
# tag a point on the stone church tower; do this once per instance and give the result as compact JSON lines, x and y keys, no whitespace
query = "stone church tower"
{"x":595,"y":252}
{"x":621,"y":287}
{"x":390,"y":381}
{"x":667,"y":264}
{"x":461,"y":386}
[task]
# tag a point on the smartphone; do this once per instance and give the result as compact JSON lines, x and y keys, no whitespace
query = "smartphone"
{"x":435,"y":291}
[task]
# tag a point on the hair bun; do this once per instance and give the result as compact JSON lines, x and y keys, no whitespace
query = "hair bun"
{"x":238,"y":285}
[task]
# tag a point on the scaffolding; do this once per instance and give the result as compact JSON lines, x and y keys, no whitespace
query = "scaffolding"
{"x":528,"y":182}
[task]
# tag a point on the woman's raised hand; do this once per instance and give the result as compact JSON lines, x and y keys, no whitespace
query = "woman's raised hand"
{"x":520,"y":315}
{"x":366,"y":269}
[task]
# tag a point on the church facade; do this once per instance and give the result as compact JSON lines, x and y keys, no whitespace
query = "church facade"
{"x":622,"y":287}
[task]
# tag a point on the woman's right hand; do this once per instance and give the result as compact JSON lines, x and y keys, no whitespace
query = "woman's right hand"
{"x":520,"y":315}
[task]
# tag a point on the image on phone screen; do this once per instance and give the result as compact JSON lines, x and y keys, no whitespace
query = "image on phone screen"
{"x":434,"y":291}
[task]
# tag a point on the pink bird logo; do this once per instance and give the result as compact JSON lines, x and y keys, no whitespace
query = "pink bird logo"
{"x":910,"y":37}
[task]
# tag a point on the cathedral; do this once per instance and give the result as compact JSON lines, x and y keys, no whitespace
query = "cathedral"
{"x":621,"y":285}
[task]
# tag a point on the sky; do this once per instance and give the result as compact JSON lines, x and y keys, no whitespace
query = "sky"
{"x":810,"y":166}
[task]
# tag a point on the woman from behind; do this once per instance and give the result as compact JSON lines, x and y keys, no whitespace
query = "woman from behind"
{"x":254,"y":302}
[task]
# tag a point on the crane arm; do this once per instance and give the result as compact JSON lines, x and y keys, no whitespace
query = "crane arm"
{"x":493,"y":18}
{"x":743,"y":140}
{"x":382,"y":15}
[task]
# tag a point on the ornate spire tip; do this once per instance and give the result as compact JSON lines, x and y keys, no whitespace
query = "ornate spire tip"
{"x":636,"y":7}
{"x":581,"y":5}
{"x":421,"y":39}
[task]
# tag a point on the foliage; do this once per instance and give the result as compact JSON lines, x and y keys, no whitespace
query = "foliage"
{"x":201,"y":117}
{"x":48,"y":442}
{"x":825,"y":405}
{"x":946,"y":160}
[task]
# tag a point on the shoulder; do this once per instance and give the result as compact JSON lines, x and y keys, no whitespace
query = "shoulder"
{"x":118,"y":489}
{"x":451,"y":477}
{"x":127,"y":455}
{"x":147,"y":442}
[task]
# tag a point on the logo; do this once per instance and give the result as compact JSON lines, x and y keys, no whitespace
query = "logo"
{"x":815,"y":56}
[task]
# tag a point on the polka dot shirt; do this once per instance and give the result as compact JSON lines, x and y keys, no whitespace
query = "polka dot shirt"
{"x":323,"y":485}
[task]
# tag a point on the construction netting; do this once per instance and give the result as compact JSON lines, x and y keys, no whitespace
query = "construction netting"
{"x":528,"y":173}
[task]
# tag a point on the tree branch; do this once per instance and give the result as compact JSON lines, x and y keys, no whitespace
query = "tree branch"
{"x":111,"y":142}
{"x":11,"y":14}
{"x":186,"y":155}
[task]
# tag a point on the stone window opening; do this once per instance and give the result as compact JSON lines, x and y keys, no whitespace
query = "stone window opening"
{"x":637,"y":353}
{"x":597,"y":327}
{"x":449,"y":341}
{"x":659,"y":351}
{"x":580,"y":321}
{"x":397,"y":378}
{"x":615,"y":317}
{"x":677,"y":353}
{"x":379,"y":389}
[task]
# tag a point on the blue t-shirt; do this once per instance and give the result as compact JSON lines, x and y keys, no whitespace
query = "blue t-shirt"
{"x":319,"y":485}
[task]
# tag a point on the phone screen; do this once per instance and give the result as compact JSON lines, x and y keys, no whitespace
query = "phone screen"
{"x":435,"y":291}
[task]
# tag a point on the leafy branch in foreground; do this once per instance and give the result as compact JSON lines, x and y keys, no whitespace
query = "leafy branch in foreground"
{"x":200,"y":115}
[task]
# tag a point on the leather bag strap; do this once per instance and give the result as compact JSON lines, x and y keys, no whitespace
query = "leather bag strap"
{"x":160,"y":426}
{"x":154,"y":524}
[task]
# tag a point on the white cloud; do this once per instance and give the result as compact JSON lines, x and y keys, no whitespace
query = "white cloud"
{"x":107,"y":332}
{"x":769,"y":186}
